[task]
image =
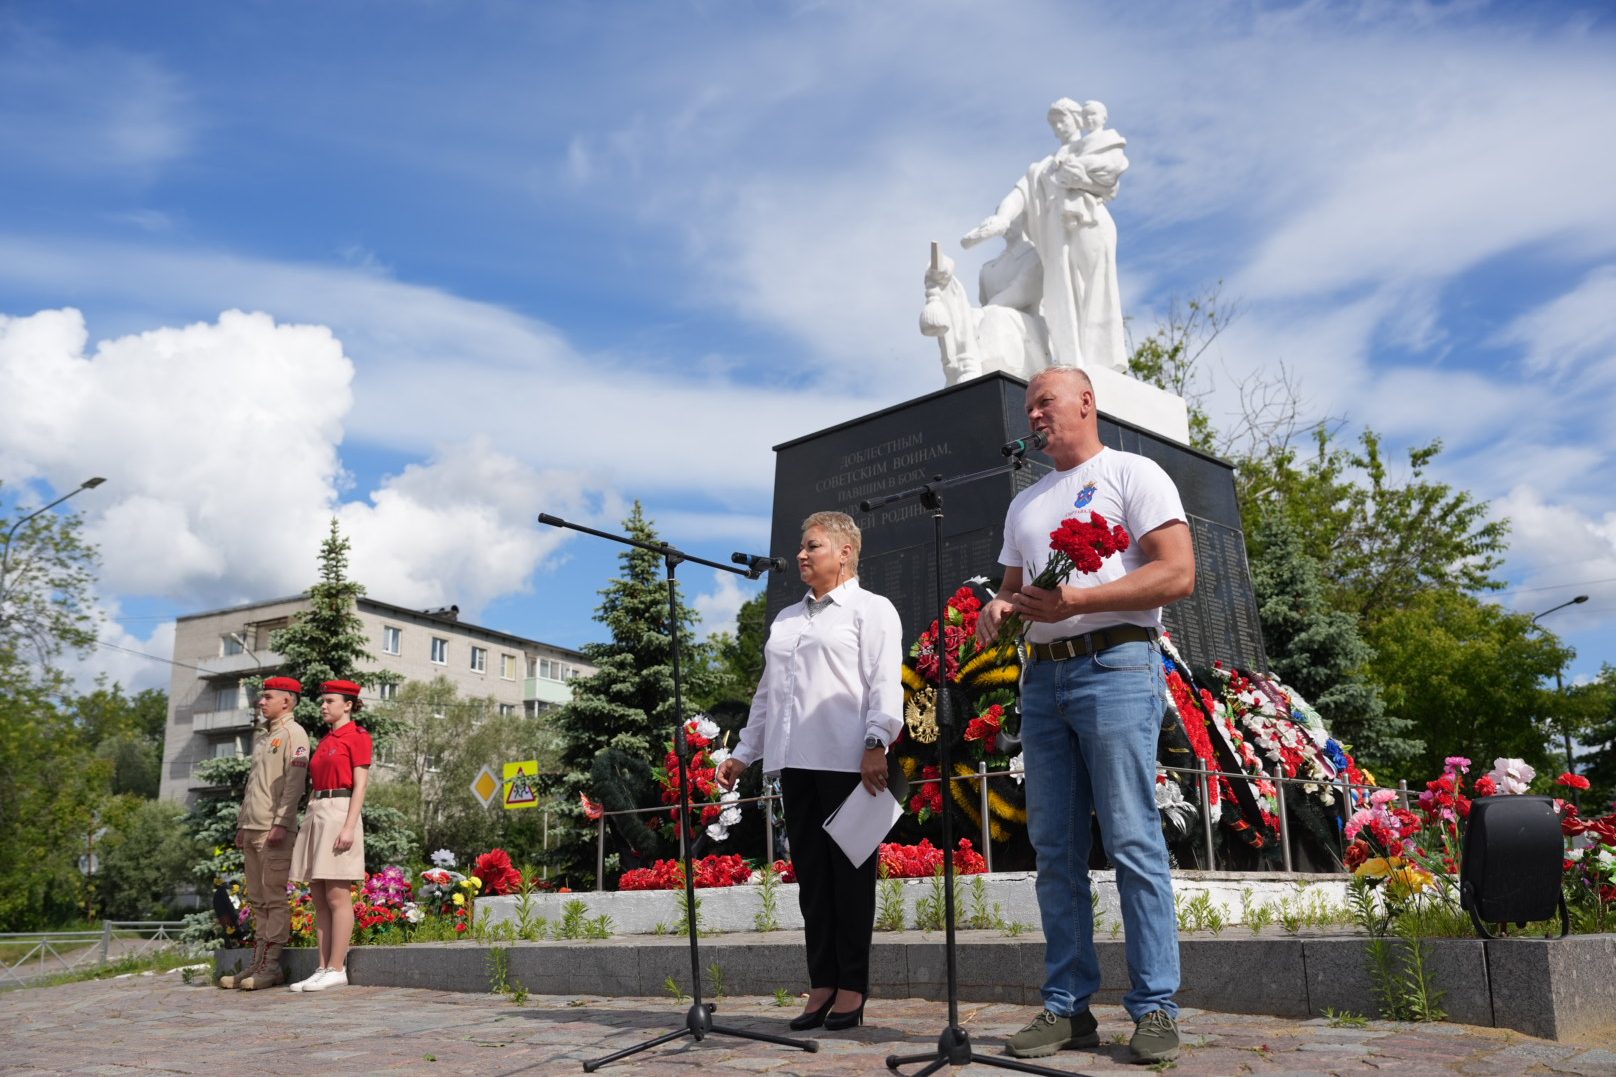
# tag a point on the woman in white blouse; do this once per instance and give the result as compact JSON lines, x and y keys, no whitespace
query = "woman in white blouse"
{"x":830,"y":702}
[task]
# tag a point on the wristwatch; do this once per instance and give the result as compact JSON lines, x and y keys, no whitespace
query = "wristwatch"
{"x":871,"y":741}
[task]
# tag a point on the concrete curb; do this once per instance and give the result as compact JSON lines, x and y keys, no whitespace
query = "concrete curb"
{"x":1557,"y":989}
{"x":735,"y":908}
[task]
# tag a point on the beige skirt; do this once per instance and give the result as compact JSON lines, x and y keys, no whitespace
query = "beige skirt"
{"x":313,"y":857}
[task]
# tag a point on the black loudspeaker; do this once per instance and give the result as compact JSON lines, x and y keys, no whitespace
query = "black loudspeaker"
{"x":1511,"y":866}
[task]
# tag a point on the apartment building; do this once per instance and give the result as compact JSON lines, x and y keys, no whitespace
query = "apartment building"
{"x":216,"y":652}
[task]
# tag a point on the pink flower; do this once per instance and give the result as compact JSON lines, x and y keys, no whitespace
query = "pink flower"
{"x":1456,"y":762}
{"x":1512,"y":776}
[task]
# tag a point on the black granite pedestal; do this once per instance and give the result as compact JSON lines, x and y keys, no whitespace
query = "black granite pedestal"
{"x":961,"y":429}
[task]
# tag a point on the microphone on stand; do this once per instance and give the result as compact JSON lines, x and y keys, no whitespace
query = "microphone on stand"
{"x":1018,"y":448}
{"x":758,"y":563}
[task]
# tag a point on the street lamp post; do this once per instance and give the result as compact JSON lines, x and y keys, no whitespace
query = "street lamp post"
{"x":1559,"y":691}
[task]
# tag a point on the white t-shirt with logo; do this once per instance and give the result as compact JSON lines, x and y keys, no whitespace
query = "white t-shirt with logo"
{"x":1126,"y":489}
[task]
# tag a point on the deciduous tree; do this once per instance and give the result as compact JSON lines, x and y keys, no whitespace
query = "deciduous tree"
{"x":1471,"y":673}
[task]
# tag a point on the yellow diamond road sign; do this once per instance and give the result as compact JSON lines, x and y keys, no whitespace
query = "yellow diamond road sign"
{"x":485,"y":786}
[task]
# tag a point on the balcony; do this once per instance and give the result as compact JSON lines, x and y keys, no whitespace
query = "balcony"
{"x":237,"y":665}
{"x":221,"y":721}
{"x":545,"y":690}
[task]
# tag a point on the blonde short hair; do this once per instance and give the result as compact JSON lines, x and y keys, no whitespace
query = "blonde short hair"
{"x":1064,"y":370}
{"x":840,"y":527}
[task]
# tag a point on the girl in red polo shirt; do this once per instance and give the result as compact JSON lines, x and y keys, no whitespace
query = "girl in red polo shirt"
{"x":330,"y":850}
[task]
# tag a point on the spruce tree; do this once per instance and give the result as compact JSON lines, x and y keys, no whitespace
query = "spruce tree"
{"x":1317,"y":650}
{"x":327,"y":641}
{"x":627,"y":706}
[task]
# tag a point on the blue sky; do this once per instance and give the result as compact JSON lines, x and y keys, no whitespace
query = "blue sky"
{"x":435,"y":268}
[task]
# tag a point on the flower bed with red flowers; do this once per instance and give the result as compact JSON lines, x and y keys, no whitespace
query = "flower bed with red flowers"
{"x":1391,"y":844}
{"x":925,"y":860}
{"x":711,"y":871}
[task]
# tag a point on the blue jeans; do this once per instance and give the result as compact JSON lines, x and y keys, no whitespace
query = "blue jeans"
{"x":1089,"y":728}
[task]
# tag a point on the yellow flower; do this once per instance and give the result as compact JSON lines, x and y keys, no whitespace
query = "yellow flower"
{"x":474,"y":883}
{"x":1404,"y":878}
{"x":460,"y":899}
{"x":1376,"y":868}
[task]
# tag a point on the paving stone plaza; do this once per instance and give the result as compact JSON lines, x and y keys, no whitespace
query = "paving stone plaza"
{"x":159,"y":1024}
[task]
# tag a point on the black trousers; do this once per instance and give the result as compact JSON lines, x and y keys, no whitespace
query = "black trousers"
{"x":837,"y":898}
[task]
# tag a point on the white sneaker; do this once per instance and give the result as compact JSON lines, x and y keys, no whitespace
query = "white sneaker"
{"x":331,"y":978}
{"x":302,"y":985}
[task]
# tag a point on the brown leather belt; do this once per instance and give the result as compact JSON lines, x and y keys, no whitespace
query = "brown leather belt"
{"x":1099,"y":640}
{"x":325,"y":794}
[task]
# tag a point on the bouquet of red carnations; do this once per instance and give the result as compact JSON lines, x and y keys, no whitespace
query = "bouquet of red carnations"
{"x":1076,"y":545}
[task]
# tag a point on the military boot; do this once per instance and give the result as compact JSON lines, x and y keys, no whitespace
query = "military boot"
{"x":234,"y":979}
{"x":267,"y":974}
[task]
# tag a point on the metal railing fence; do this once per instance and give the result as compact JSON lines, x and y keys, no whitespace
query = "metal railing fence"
{"x":47,"y":953}
{"x":1201,"y":777}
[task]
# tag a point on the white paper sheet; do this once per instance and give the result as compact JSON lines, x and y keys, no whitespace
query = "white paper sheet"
{"x":862,"y":821}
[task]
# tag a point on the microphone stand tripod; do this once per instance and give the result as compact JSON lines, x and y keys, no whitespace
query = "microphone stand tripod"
{"x":699,"y":1018}
{"x":954,"y":1045}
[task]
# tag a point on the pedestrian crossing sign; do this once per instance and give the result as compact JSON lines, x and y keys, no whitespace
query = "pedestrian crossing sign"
{"x":522,"y":785}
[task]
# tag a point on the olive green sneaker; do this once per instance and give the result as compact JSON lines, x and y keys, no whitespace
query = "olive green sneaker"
{"x":1155,"y":1038}
{"x":1050,"y":1032}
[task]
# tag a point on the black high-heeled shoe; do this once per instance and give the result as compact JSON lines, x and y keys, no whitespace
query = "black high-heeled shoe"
{"x":835,"y":1022}
{"x":813,"y":1018}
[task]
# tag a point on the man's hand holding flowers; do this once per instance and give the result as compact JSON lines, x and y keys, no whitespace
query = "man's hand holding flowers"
{"x":1076,"y":545}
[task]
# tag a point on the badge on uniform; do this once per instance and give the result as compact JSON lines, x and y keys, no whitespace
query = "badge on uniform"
{"x":275,"y":745}
{"x":300,"y":756}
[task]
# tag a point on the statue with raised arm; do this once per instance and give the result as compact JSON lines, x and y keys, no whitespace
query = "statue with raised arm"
{"x":1060,"y":205}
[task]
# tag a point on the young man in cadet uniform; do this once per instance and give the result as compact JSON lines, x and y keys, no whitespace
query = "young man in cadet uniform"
{"x":267,"y":828}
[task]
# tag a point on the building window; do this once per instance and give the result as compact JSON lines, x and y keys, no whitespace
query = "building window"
{"x":387,"y":691}
{"x":228,"y":749}
{"x":440,"y":650}
{"x":392,"y":640}
{"x":231,"y":644}
{"x":507,"y":709}
{"x":479,"y":659}
{"x":553,"y":670}
{"x":532,"y":667}
{"x":507,"y":667}
{"x":228,"y":697}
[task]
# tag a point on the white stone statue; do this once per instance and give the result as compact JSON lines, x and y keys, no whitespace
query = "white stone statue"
{"x":1059,"y":207}
{"x":998,"y":336}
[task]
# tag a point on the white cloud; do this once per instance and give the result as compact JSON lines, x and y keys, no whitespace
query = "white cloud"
{"x":717,"y":608}
{"x":89,"y":110}
{"x":124,"y":658}
{"x":459,"y":529}
{"x":1561,"y":553}
{"x":1574,"y":336}
{"x":218,"y":443}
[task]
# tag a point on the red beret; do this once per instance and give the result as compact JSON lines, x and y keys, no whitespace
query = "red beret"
{"x":341,"y":688}
{"x":284,"y":684}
